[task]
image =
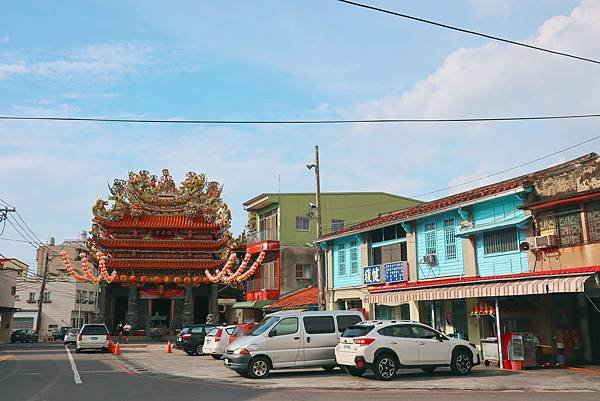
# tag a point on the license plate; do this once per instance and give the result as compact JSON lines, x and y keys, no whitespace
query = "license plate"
{"x":346,"y":347}
{"x":226,"y":361}
{"x":94,"y":338}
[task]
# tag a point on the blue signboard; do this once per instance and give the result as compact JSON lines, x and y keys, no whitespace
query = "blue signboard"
{"x":394,"y":272}
{"x":372,"y":275}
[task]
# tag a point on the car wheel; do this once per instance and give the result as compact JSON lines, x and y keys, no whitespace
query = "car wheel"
{"x":216,"y":356}
{"x":352,"y":371}
{"x":259,"y":367}
{"x":190,"y":353}
{"x":385,"y":367}
{"x":462,"y":363}
{"x":199,"y":350}
{"x":328,"y":368}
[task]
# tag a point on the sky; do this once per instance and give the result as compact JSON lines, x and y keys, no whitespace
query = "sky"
{"x":281,"y":59}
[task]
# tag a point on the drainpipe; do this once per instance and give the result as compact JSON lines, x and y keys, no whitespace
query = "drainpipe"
{"x":499,"y":335}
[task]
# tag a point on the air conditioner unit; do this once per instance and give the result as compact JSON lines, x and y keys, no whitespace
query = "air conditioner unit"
{"x":429,"y":259}
{"x":546,"y":241}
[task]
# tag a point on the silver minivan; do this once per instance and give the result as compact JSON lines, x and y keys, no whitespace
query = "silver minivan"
{"x":290,"y":340}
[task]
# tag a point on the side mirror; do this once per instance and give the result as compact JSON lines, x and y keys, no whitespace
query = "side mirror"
{"x":440,"y":338}
{"x":273,"y":333}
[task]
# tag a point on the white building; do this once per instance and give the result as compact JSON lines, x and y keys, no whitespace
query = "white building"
{"x":10,"y":270}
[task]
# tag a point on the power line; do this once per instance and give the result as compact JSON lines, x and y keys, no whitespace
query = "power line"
{"x":471,"y":32}
{"x":307,"y":122}
{"x":478,"y":178}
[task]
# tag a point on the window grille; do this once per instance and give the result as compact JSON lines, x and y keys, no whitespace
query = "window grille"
{"x":450,"y":238}
{"x":353,"y":258}
{"x":302,"y":223}
{"x":430,"y":239}
{"x":592,"y":215}
{"x":303,"y":271}
{"x":566,"y":225}
{"x":342,"y":259}
{"x":337,"y":225}
{"x":500,"y":241}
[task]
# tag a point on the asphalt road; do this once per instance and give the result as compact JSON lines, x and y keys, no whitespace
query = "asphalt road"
{"x":44,"y":372}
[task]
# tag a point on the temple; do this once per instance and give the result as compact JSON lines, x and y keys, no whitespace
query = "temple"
{"x":163,"y":241}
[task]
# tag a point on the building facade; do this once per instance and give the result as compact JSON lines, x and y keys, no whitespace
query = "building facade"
{"x":284,"y":226}
{"x":10,"y":270}
{"x":519,"y":256}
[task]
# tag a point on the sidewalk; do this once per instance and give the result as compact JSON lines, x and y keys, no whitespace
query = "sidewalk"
{"x":154,"y":358}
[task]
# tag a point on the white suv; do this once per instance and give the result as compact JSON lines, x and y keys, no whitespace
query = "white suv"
{"x":92,"y":336}
{"x":388,"y":345}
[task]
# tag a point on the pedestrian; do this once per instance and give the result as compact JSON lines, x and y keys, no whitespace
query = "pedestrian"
{"x":126,"y":332}
{"x":120,"y":331}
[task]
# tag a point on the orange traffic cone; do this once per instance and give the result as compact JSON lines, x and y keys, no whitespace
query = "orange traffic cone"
{"x":117,"y":349}
{"x":111,"y":348}
{"x":169,"y":347}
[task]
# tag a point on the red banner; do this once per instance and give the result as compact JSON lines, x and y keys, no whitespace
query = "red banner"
{"x":151,"y":293}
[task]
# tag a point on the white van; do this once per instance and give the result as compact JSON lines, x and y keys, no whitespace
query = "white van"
{"x":290,"y":340}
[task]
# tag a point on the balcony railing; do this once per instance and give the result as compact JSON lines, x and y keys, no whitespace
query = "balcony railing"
{"x":263,"y":235}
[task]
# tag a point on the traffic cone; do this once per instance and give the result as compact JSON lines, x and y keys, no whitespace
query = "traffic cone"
{"x":111,"y":348}
{"x":117,"y":349}
{"x":169,"y":347}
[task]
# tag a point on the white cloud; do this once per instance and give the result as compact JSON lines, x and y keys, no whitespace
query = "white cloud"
{"x":104,"y":60}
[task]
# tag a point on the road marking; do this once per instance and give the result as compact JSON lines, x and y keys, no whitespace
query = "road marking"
{"x":5,"y":357}
{"x":596,"y":372}
{"x":76,"y":376}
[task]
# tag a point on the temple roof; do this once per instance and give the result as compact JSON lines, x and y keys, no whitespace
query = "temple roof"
{"x":159,"y":221}
{"x":160,"y":244}
{"x":163,"y":263}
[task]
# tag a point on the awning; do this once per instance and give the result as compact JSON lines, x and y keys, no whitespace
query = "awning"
{"x":4,"y":309}
{"x":250,"y":304}
{"x":517,"y":221}
{"x":550,"y":285}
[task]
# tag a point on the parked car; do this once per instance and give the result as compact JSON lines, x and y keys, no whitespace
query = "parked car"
{"x":193,"y":341}
{"x":179,"y":337}
{"x":60,"y":334}
{"x":71,"y":336}
{"x":289,"y":340}
{"x":92,"y":336}
{"x":217,"y":340}
{"x":24,"y":336}
{"x":241,"y":330}
{"x":385,"y":346}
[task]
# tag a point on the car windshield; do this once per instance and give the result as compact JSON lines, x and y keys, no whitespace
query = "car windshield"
{"x":185,"y":330}
{"x":213,"y":332}
{"x":94,"y":330}
{"x":73,"y":331}
{"x":264,"y":326}
{"x":357,"y":331}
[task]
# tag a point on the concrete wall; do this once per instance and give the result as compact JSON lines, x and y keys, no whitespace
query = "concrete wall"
{"x":290,"y":257}
{"x":55,"y":264}
{"x":8,"y":283}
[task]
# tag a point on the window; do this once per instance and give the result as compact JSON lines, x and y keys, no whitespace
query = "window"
{"x":31,"y":297}
{"x":342,"y":259}
{"x":388,"y":233}
{"x":353,"y":258}
{"x":95,"y":329}
{"x":302,"y":223}
{"x":285,"y":327}
{"x":198,"y":330}
{"x":337,"y":225}
{"x":389,"y":253}
{"x":423,"y":332}
{"x":450,"y":238}
{"x":592,"y":215}
{"x":47,"y":296}
{"x":345,"y":321}
{"x":13,"y":290}
{"x":303,"y":272}
{"x":357,"y":331}
{"x":500,"y":241}
{"x":565,"y":224}
{"x":319,"y":324}
{"x":430,"y":239}
{"x":397,"y":331}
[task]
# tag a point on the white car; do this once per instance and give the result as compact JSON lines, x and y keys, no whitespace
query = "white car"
{"x":385,"y":346}
{"x":217,"y":340}
{"x":71,"y":336}
{"x":92,"y":336}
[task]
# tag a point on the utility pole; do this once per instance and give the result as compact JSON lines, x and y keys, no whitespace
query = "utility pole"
{"x":4,"y":211}
{"x":320,"y":270}
{"x":38,"y":323}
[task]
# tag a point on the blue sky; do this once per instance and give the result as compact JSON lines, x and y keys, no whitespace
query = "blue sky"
{"x":280,"y":59}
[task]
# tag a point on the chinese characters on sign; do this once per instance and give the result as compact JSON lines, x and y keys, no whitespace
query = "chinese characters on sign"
{"x":388,"y":273}
{"x":394,"y":272}
{"x":372,"y":274}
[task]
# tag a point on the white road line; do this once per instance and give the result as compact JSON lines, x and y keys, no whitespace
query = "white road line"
{"x":76,"y":376}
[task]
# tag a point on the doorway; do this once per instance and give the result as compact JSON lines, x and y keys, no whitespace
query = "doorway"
{"x":120,"y":310}
{"x":200,"y":309}
{"x":163,"y":308}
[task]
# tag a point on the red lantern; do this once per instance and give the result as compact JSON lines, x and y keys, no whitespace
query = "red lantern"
{"x":206,"y":280}
{"x":144,"y":279}
{"x":156,"y":279}
{"x":177,"y":280}
{"x":123,"y":278}
{"x":187,"y":280}
{"x":166,"y":279}
{"x":197,"y":280}
{"x":132,"y":279}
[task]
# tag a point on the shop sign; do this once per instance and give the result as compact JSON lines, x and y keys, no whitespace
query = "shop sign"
{"x":394,"y":272}
{"x":372,"y":275}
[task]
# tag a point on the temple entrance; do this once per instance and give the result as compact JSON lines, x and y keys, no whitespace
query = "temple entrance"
{"x":163,"y":308}
{"x":120,"y":310}
{"x":200,"y":309}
